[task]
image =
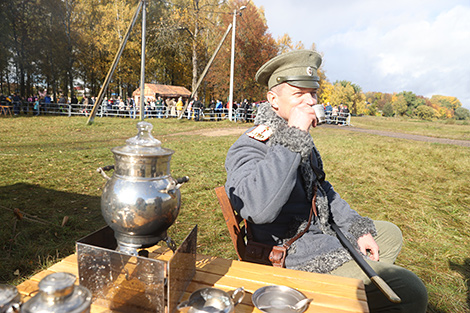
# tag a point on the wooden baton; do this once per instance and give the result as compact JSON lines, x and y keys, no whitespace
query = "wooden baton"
{"x":376,"y":279}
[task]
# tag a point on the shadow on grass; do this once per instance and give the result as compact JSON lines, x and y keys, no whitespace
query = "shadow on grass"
{"x":33,"y":237}
{"x":464,"y":270}
{"x":432,"y":309}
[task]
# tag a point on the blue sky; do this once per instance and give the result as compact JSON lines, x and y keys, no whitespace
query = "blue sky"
{"x":421,"y":46}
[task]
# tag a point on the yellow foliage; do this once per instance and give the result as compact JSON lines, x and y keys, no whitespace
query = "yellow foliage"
{"x":446,"y":101}
{"x":325,"y":92}
{"x":347,"y":95}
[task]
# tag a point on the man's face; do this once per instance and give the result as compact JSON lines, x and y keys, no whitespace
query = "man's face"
{"x":285,"y":97}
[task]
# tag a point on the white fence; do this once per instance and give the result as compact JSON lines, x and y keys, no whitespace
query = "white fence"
{"x":27,"y":108}
{"x":343,"y":119}
{"x":207,"y":114}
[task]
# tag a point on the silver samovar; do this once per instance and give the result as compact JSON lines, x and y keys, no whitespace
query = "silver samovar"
{"x":141,"y":200}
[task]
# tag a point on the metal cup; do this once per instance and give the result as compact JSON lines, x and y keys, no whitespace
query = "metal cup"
{"x":320,"y":113}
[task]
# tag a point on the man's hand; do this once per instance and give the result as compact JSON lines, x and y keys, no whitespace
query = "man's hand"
{"x":302,"y":116}
{"x":367,"y":244}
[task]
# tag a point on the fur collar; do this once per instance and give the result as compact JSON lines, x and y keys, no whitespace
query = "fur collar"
{"x":298,"y":141}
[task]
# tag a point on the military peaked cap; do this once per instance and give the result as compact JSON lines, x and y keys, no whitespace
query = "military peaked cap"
{"x":297,"y":68}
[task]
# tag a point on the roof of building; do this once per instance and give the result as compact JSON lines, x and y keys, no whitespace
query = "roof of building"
{"x":163,"y":90}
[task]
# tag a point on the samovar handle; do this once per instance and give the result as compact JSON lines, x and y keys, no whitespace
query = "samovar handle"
{"x":180,"y":181}
{"x":175,"y":184}
{"x":102,"y":171}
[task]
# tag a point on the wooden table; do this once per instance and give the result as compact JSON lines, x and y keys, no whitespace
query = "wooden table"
{"x":329,"y":293}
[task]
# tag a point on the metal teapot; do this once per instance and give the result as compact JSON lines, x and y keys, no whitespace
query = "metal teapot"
{"x":141,"y":200}
{"x":58,"y":294}
{"x":10,"y":299}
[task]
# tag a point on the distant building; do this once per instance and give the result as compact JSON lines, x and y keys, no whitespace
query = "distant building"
{"x":152,"y":91}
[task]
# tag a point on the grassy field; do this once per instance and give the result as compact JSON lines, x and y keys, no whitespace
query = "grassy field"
{"x":48,"y":171}
{"x":449,"y":128}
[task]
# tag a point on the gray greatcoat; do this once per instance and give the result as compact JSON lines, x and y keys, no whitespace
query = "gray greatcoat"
{"x":270,"y":184}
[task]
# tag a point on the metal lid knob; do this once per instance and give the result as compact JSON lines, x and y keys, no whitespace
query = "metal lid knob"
{"x":143,"y":145}
{"x":58,"y":294}
{"x":144,"y":137}
{"x":57,"y":285}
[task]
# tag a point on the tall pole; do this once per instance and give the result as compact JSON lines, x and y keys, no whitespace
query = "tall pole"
{"x":113,"y":67}
{"x":232,"y":62}
{"x":142,"y":65}
{"x":205,"y":70}
{"x":232,"y":65}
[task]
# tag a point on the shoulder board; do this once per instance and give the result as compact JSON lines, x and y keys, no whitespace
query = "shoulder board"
{"x":260,"y":133}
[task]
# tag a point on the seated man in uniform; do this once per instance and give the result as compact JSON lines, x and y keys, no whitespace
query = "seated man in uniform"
{"x":274,"y":172}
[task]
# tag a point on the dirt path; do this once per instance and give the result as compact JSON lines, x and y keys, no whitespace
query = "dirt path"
{"x":240,"y":130}
{"x":463,"y":143}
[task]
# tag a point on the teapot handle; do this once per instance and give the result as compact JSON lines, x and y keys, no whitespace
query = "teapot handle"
{"x":102,"y":170}
{"x":183,"y":304}
{"x":238,"y":295}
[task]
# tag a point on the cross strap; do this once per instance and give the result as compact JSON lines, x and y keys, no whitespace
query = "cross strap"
{"x":313,"y":210}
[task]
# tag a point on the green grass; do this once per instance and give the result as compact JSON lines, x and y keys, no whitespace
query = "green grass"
{"x":48,"y":170}
{"x":451,"y":129}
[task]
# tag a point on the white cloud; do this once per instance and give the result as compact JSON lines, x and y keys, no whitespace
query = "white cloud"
{"x":419,"y":46}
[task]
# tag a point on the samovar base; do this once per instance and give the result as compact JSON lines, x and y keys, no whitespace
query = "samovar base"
{"x":129,"y":244}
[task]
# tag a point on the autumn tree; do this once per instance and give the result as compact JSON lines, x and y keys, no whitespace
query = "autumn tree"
{"x":445,"y":104}
{"x":325,"y":91}
{"x":5,"y":54}
{"x":186,"y":35}
{"x":387,"y":110}
{"x":399,"y":104}
{"x":462,"y":114}
{"x":425,"y":112}
{"x":345,"y":92}
{"x":379,"y":99}
{"x":286,"y":44}
{"x":412,"y":101}
{"x":254,"y":46}
{"x":23,"y":22}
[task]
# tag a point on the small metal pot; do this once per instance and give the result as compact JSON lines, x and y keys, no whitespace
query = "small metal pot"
{"x":10,"y":299}
{"x":141,"y":200}
{"x":58,"y":294}
{"x":212,"y":300}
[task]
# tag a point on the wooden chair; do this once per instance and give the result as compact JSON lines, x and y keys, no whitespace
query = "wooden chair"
{"x":234,"y":221}
{"x":247,"y":249}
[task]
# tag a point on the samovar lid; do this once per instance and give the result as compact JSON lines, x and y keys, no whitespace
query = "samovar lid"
{"x":144,"y":144}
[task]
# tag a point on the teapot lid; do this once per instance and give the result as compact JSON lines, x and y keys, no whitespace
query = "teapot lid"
{"x":144,"y":144}
{"x":9,"y":296}
{"x":57,"y":284}
{"x":58,"y":294}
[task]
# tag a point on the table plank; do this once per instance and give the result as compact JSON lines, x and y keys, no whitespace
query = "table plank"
{"x":330,"y":293}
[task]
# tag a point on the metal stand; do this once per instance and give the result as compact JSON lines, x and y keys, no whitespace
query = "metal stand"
{"x":127,"y":283}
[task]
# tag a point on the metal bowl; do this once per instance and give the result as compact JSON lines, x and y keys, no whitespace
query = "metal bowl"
{"x":276,"y":298}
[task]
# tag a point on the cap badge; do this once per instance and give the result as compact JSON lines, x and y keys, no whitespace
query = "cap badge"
{"x":310,"y":71}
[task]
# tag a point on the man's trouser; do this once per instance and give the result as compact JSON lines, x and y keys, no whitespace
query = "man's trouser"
{"x":406,"y":284}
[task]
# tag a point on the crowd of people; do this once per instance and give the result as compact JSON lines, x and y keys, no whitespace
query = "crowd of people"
{"x":158,"y":107}
{"x":337,"y":114}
